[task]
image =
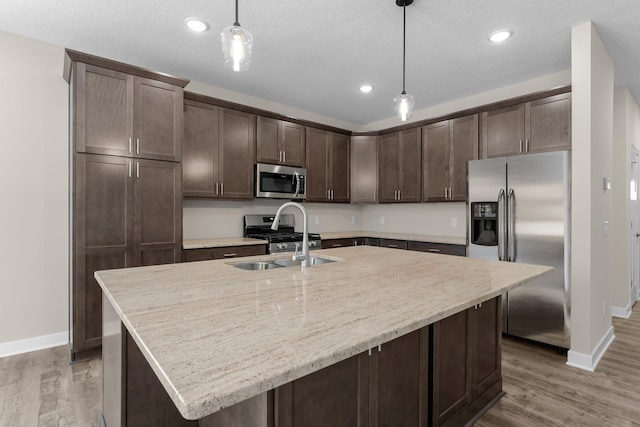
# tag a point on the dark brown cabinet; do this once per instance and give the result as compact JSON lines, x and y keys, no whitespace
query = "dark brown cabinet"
{"x":466,"y":363}
{"x":327,"y":166}
{"x":438,"y":248}
{"x":120,"y":114}
{"x":364,"y":169}
{"x":127,"y":213}
{"x":532,"y":127}
{"x":400,"y":166}
{"x":226,"y":252}
{"x":280,"y":142}
{"x":393,"y":243}
{"x":339,"y":243}
{"x":219,"y":146}
{"x":447,"y":147}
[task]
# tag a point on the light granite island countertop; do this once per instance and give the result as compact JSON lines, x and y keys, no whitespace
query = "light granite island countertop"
{"x":216,"y":335}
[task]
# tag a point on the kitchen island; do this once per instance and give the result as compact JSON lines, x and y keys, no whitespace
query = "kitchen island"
{"x":216,"y":336}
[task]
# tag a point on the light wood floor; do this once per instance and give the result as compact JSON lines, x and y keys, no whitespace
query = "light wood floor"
{"x":42,"y":389}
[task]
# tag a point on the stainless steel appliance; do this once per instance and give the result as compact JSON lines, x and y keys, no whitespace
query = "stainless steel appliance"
{"x":520,"y":212}
{"x":280,"y":182}
{"x":285,"y":239}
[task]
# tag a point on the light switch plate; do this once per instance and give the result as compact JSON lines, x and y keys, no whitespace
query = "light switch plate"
{"x":317,"y":220}
{"x":381,"y":220}
{"x":454,"y":222}
{"x":606,"y":228}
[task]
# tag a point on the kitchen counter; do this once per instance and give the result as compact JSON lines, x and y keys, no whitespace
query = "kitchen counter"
{"x":398,"y":236}
{"x":216,"y":335}
{"x":221,"y":242}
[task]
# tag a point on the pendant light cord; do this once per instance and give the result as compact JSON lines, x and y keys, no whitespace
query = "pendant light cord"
{"x":404,"y":42}
{"x":237,"y":24}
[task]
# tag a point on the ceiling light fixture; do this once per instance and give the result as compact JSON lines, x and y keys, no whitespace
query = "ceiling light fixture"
{"x":196,"y":25}
{"x":500,"y":36}
{"x":403,"y":103}
{"x":236,"y":46}
{"x":366,"y":88}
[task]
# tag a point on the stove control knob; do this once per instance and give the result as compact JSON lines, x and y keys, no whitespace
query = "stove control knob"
{"x":282,"y":246}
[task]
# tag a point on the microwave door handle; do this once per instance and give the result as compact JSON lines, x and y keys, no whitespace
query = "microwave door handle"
{"x":297,"y":178}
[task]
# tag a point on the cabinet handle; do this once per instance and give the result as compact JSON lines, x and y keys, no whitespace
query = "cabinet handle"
{"x":521,"y":146}
{"x":130,"y":145}
{"x":280,"y":156}
{"x":445,"y":192}
{"x":337,"y":245}
{"x":526,"y":145}
{"x":229,"y":255}
{"x":450,"y":193}
{"x":374,"y":196}
{"x":222,"y":188}
{"x":332,"y":195}
{"x":129,"y":169}
{"x":392,"y":246}
{"x":284,"y":157}
{"x":355,"y":243}
{"x":137,"y":169}
{"x":434,"y":250}
{"x":399,"y":195}
{"x":217,"y":185}
{"x":137,"y":145}
{"x":328,"y":195}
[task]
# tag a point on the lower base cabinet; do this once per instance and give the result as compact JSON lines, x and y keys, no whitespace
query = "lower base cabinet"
{"x":444,"y":374}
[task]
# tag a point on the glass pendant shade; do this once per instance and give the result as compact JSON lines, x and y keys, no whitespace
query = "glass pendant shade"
{"x":403,"y":106}
{"x":236,"y":47}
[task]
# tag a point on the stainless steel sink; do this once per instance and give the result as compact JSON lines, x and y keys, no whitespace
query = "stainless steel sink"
{"x":260,"y":265}
{"x":279,"y":263}
{"x":288,"y":262}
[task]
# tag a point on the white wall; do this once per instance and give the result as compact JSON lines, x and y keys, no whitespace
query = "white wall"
{"x":592,"y":144}
{"x":626,"y":118}
{"x":433,"y":219}
{"x":34,"y":182}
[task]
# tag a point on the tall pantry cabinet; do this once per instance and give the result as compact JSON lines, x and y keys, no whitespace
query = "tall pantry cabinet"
{"x":126,"y":180}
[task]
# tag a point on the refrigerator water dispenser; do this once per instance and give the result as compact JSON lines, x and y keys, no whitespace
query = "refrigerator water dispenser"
{"x":484,"y":223}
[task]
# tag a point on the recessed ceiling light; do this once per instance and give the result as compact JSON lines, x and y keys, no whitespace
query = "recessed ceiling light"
{"x":366,"y":88}
{"x":500,"y":36}
{"x":196,"y":25}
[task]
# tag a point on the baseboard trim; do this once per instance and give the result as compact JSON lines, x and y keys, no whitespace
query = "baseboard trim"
{"x":624,"y":313}
{"x":32,"y":344}
{"x":589,"y":362}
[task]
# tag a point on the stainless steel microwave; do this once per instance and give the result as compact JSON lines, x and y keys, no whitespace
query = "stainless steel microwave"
{"x":280,"y":182}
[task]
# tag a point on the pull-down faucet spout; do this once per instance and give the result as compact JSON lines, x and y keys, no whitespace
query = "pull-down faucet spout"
{"x":304,"y":255}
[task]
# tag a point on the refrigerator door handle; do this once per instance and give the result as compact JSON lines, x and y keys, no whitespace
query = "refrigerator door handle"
{"x":501,"y":228}
{"x":511,"y":201}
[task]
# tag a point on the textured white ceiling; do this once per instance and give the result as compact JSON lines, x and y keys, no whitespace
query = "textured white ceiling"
{"x":314,"y":55}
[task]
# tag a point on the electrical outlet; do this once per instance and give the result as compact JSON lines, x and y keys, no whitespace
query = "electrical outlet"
{"x":353,"y":220}
{"x":316,"y":220}
{"x":454,"y":222}
{"x":381,"y":220}
{"x":606,"y":228}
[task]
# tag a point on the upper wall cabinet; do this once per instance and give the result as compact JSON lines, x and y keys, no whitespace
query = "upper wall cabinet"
{"x":120,"y":114}
{"x":327,"y":166}
{"x":364,"y":169}
{"x":219,"y":146}
{"x":447,"y":147}
{"x":280,"y":142}
{"x":400,"y":166}
{"x":533,"y":127}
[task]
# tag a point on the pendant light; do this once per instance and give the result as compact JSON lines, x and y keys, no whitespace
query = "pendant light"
{"x":403,"y":103}
{"x":236,"y":46}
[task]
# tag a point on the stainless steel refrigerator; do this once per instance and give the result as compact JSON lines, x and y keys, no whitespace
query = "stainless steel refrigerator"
{"x":519,"y":211}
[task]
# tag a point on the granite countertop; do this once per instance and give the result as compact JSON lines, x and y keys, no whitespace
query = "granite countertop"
{"x":220,"y":242}
{"x":216,"y":335}
{"x":241,"y":241}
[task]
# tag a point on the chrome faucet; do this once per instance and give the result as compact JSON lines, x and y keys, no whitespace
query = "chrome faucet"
{"x":304,"y":255}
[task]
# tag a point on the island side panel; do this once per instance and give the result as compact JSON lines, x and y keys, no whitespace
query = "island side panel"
{"x":112,"y":350}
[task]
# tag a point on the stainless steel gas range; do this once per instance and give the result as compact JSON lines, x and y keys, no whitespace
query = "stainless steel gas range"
{"x":285,"y":239}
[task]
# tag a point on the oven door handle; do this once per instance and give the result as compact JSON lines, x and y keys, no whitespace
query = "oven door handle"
{"x":296,"y":175}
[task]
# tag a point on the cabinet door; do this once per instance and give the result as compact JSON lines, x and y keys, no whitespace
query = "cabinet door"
{"x":103,"y":110}
{"x":399,"y":381}
{"x":337,"y":243}
{"x":268,"y":140}
{"x":317,"y":180}
{"x":157,"y":124}
{"x":389,"y":159}
{"x":103,"y":236}
{"x":339,"y":168}
{"x":464,"y":147}
{"x":549,"y":124}
{"x":410,"y":167}
{"x":364,"y":169}
{"x":486,"y":332}
{"x":503,"y":132}
{"x":436,"y":161}
{"x":236,"y":153}
{"x":199,"y":158}
{"x":335,"y":396}
{"x":451,"y":370}
{"x":293,"y":144}
{"x":157,"y":212}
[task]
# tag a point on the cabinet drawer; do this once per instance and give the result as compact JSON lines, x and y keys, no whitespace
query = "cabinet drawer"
{"x":392,"y":243}
{"x":438,"y":248}
{"x":338,"y":243}
{"x":206,"y":254}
